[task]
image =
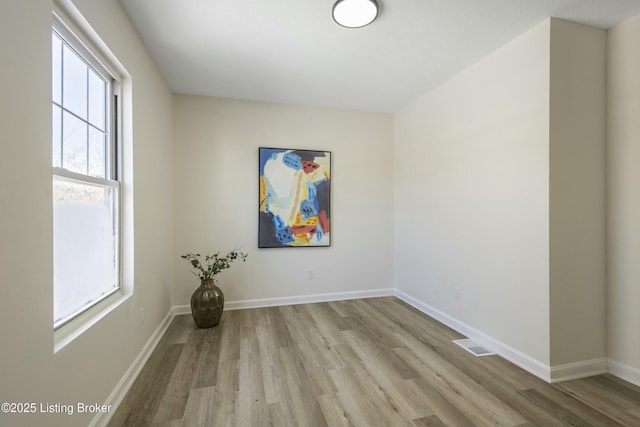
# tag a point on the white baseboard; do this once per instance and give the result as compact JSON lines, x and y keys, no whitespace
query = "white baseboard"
{"x":181,"y":309}
{"x":524,"y":361}
{"x":120,"y":391}
{"x":301,"y":299}
{"x":551,"y":374}
{"x":624,"y":371}
{"x":577,"y":370}
{"x":533,"y":366}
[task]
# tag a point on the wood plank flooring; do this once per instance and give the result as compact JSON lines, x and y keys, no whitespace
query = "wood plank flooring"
{"x":370,"y":362}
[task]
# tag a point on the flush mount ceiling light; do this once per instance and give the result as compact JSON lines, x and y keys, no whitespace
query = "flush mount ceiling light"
{"x":355,"y":13}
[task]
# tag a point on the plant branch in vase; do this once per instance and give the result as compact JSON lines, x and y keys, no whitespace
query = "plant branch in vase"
{"x":207,"y":302}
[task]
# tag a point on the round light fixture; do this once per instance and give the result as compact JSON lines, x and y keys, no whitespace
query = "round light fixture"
{"x":355,"y":13}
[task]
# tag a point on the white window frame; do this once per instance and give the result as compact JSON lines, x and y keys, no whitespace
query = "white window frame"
{"x":69,"y":328}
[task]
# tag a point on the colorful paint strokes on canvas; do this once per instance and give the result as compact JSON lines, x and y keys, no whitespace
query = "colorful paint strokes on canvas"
{"x":295,"y":198}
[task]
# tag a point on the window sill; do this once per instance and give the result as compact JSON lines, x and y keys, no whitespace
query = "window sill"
{"x":76,"y":327}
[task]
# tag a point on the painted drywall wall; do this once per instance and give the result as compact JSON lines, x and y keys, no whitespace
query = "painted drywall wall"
{"x":577,"y":196}
{"x":623,"y":198}
{"x":510,"y":198}
{"x":89,"y":368}
{"x":216,"y":207}
{"x":472,"y":196}
{"x":26,"y":302}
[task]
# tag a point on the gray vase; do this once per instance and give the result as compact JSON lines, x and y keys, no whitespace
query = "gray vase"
{"x":207,"y":303}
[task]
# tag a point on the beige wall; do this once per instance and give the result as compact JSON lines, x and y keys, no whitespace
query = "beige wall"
{"x":623,"y":197}
{"x":577,"y":205}
{"x":500,"y":198}
{"x":88,"y":369}
{"x":474,"y":186}
{"x":26,"y":262}
{"x":215,"y":165}
{"x":472,"y":196}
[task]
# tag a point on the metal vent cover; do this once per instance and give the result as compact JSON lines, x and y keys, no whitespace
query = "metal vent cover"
{"x":474,"y":348}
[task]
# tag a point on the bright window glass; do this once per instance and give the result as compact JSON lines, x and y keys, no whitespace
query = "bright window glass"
{"x":85,"y":224}
{"x":86,"y":211}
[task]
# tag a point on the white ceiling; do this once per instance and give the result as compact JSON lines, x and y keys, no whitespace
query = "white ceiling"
{"x":291,"y":51}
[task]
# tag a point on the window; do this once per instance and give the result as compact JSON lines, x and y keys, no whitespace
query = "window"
{"x":86,"y":187}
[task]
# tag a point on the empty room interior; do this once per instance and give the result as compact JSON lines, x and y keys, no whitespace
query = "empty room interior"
{"x":446,"y":170}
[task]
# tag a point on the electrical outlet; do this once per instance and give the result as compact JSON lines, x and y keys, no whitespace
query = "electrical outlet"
{"x":311,"y":274}
{"x":141,"y":316}
{"x":456,"y":294}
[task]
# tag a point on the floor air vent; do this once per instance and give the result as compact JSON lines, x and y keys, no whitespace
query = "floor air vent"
{"x":473,"y":348}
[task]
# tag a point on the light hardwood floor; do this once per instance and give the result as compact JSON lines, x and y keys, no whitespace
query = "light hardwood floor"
{"x":370,"y":362}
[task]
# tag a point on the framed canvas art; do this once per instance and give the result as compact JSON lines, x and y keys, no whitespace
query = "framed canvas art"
{"x":295,"y":198}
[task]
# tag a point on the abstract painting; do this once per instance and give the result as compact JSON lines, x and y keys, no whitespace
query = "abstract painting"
{"x":295,"y":198}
